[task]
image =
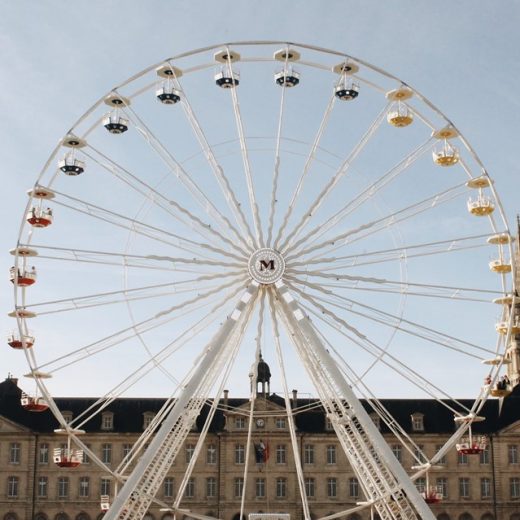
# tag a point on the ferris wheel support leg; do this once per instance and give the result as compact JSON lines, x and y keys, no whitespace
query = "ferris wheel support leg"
{"x":383,"y":458}
{"x":136,"y":495}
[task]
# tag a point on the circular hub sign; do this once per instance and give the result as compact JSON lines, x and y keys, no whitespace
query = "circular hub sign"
{"x":266,"y":266}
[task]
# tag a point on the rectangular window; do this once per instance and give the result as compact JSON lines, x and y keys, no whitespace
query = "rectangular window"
{"x":211,"y":487}
{"x":43,"y":454}
{"x":332,"y":487}
{"x":84,"y":487}
{"x":107,"y":421}
{"x":281,"y":454}
{"x":484,"y":455}
{"x":189,"y":492}
{"x":485,"y":488}
{"x":190,"y":450}
{"x":418,"y":454}
{"x":464,"y":490}
{"x":331,"y":454}
{"x":12,"y":487}
{"x":240,"y":454}
{"x":418,"y":422}
{"x":512,"y":454}
{"x":462,"y":459}
{"x":442,"y":486}
{"x":43,"y":487}
{"x":148,"y":417}
{"x":280,"y":423}
{"x":397,"y":450}
{"x":63,"y":487}
{"x":86,"y":458}
{"x":308,"y":454}
{"x":353,"y":487}
{"x":106,"y":453}
{"x":14,"y":453}
{"x":239,"y":487}
{"x":126,"y":450}
{"x":260,"y":487}
{"x":514,"y":486}
{"x":442,"y":460}
{"x":281,"y":487}
{"x":105,"y":487}
{"x":328,"y":424}
{"x":310,"y":487}
{"x":211,"y":454}
{"x":240,"y":423}
{"x":169,"y":483}
{"x":420,"y":484}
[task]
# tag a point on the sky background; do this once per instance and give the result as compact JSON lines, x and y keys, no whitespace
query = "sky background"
{"x":58,"y":58}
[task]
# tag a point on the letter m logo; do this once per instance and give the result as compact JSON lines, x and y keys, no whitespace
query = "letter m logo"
{"x":266,"y":264}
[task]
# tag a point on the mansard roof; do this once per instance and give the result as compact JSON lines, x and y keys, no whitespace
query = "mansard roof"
{"x":310,"y":417}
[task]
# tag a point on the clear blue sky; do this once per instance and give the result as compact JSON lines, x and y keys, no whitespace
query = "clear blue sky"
{"x":57,"y":58}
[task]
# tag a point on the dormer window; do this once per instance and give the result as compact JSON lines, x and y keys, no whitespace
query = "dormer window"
{"x":107,"y":421}
{"x":417,"y":422}
{"x":376,"y":420}
{"x":147,"y":419}
{"x":328,"y":424}
{"x":67,"y":416}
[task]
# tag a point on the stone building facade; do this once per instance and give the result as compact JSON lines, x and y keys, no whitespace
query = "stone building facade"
{"x":478,"y":487}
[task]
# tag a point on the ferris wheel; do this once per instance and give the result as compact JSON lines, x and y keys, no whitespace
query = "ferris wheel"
{"x":275,"y":199}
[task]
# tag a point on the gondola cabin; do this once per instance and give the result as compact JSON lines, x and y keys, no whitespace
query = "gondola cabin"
{"x":33,"y":404}
{"x":432,"y":496}
{"x":67,"y":458}
{"x":39,"y":217}
{"x":470,"y":446}
{"x":14,"y":340}
{"x":23,"y":278}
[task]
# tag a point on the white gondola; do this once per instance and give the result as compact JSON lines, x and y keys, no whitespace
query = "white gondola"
{"x":71,"y":166}
{"x":481,"y":206}
{"x":446,"y":154}
{"x":287,"y":78}
{"x":168,"y":95}
{"x":226,"y":79}
{"x":400,"y":115}
{"x":115,"y":124}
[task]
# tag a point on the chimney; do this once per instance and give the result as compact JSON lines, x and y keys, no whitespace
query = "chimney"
{"x":226,"y":394}
{"x":295,"y":398}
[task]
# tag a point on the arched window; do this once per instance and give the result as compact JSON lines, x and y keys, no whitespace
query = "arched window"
{"x":11,"y":516}
{"x":515,"y":516}
{"x":83,"y":516}
{"x":148,"y":516}
{"x":465,"y":516}
{"x":61,"y":516}
{"x":354,"y":516}
{"x":487,"y":516}
{"x":41,"y":516}
{"x":168,"y":516}
{"x":443,"y":516}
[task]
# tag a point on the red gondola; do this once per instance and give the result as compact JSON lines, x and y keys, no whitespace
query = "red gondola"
{"x":33,"y":404}
{"x":67,"y":457}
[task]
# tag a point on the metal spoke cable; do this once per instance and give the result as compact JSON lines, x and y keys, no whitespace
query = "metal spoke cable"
{"x":181,"y":214}
{"x":253,"y":395}
{"x":357,"y":201}
{"x":168,"y":350}
{"x":306,"y":169}
{"x":139,"y":227}
{"x":288,"y":408}
{"x":106,"y":298}
{"x":245,"y":160}
{"x":183,"y":176}
{"x":394,"y":322}
{"x":145,"y":325}
{"x":395,"y":253}
{"x":379,"y":224}
{"x":370,"y":347}
{"x":225,"y":186}
{"x":276,"y":169}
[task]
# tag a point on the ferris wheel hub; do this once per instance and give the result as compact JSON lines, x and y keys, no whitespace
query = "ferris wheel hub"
{"x":266,"y":266}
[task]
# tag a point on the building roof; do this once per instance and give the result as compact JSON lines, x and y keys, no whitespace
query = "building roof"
{"x":129,"y":412}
